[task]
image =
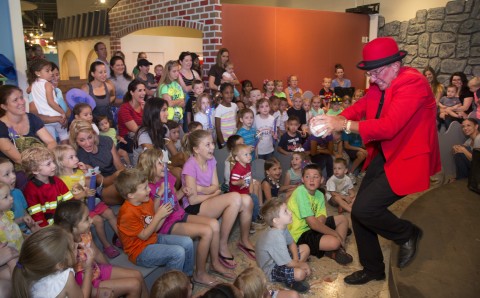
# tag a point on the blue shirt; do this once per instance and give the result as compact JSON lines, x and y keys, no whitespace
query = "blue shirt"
{"x":19,"y":206}
{"x":353,"y":139}
{"x":248,"y":136}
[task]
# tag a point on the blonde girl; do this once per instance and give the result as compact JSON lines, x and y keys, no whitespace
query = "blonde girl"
{"x":173,"y":284}
{"x":292,"y":88}
{"x":253,"y":284}
{"x":266,"y":131}
{"x":204,"y":112}
{"x":44,"y":268}
{"x":71,"y":171}
{"x":180,"y":223}
{"x":268,"y":88}
{"x":278,"y":84}
{"x":205,"y":199}
{"x":94,"y":150}
{"x":171,"y":91}
{"x":73,"y":217}
{"x":45,"y":99}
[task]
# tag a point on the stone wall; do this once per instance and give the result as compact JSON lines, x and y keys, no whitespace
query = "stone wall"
{"x":128,"y":16}
{"x":445,"y":38}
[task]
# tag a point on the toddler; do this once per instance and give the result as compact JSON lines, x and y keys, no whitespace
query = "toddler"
{"x":10,"y":232}
{"x":44,"y":97}
{"x":83,"y":111}
{"x":241,"y":180}
{"x":44,"y":190}
{"x":107,"y":130}
{"x":446,"y":106}
{"x":340,"y":191}
{"x":230,"y":161}
{"x":311,"y":226}
{"x":292,"y":88}
{"x":278,"y":84}
{"x":229,"y":76}
{"x":277,"y":253}
{"x":204,"y":113}
{"x":316,"y":106}
{"x":191,"y":107}
{"x":266,"y":130}
{"x":326,"y":93}
{"x":292,"y":139}
{"x":268,"y":88}
{"x":19,"y":206}
{"x":225,"y":115}
{"x":71,"y":171}
{"x":246,"y":129}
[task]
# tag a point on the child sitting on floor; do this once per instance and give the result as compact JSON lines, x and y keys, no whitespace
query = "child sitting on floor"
{"x":106,"y":129}
{"x":323,"y":235}
{"x":277,"y":253}
{"x":253,"y":283}
{"x":172,"y":284}
{"x":340,"y":191}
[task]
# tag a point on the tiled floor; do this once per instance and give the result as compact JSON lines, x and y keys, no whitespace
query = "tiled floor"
{"x":327,"y":276}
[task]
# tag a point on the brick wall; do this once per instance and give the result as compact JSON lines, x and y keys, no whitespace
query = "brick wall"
{"x":128,"y":16}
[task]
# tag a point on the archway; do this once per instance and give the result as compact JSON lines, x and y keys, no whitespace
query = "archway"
{"x":70,"y":69}
{"x":92,"y":56}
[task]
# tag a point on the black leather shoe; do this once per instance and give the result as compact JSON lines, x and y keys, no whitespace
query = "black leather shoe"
{"x":362,"y":277}
{"x":408,"y":249}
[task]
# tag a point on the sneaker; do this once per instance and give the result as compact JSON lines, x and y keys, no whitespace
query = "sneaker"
{"x":252,"y":230}
{"x":299,"y":286}
{"x":340,"y":256}
{"x":352,"y":177}
{"x":111,"y":252}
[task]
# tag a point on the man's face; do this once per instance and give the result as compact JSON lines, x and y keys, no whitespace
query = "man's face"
{"x":101,"y":51}
{"x":383,"y":76}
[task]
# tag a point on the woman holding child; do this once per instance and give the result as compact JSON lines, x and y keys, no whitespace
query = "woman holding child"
{"x":217,"y":70}
{"x":459,"y":79}
{"x":94,"y":150}
{"x":19,"y":129}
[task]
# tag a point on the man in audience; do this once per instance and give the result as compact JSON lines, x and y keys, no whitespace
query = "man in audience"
{"x":400,"y":135}
{"x":101,"y":50}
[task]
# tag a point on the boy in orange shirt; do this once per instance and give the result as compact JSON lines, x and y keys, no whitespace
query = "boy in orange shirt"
{"x":138,"y":225}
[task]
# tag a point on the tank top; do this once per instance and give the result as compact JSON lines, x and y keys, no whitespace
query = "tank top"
{"x":294,"y":178}
{"x":189,"y":82}
{"x":102,"y":101}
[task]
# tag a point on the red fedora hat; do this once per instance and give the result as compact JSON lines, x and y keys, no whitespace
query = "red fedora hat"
{"x":379,"y":52}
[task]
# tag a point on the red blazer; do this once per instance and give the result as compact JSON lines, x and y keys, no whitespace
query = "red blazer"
{"x":406,"y":130}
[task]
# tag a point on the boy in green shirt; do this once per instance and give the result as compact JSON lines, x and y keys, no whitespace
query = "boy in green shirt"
{"x":310,"y":224}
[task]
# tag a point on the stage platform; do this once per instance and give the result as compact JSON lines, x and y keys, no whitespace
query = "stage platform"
{"x":447,"y":263}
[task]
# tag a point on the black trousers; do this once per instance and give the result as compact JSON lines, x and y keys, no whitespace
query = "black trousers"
{"x":370,"y":217}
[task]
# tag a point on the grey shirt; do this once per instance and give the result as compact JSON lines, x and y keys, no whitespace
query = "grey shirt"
{"x":449,"y":101}
{"x":272,"y":249}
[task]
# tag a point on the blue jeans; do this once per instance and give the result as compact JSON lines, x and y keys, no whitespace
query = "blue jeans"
{"x":462,"y":165}
{"x":175,"y":252}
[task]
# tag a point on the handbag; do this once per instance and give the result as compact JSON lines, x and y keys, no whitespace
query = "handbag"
{"x":474,"y":177}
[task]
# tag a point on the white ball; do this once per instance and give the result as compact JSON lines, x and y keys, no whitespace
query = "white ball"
{"x":317,"y":130}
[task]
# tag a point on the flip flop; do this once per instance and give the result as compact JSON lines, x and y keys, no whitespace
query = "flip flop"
{"x":223,"y":260}
{"x":206,"y":285}
{"x":250,"y":253}
{"x":225,"y":275}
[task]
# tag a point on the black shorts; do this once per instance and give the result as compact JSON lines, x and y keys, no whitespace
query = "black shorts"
{"x":352,"y":154}
{"x":312,"y":238}
{"x":193,"y":209}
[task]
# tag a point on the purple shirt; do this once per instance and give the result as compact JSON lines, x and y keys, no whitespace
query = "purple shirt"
{"x":321,"y":142}
{"x":192,"y":169}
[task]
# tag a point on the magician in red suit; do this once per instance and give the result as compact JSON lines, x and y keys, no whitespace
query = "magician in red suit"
{"x":396,"y":120}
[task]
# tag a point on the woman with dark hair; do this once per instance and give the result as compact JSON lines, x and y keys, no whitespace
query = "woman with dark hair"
{"x":187,"y":73}
{"x":215,"y":73}
{"x":120,"y":78}
{"x":462,"y":154}
{"x":101,"y":89}
{"x":340,"y":81}
{"x":437,"y":88}
{"x":131,"y":113}
{"x":459,"y":79}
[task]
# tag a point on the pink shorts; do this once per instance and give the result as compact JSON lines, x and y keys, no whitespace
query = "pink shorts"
{"x":98,"y":210}
{"x":105,"y":274}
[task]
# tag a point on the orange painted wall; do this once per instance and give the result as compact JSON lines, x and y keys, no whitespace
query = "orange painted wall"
{"x":272,"y":42}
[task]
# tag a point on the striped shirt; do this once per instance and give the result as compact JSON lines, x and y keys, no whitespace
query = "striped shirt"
{"x":228,"y":117}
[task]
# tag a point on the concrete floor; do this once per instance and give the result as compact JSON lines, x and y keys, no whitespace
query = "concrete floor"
{"x":327,"y":276}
